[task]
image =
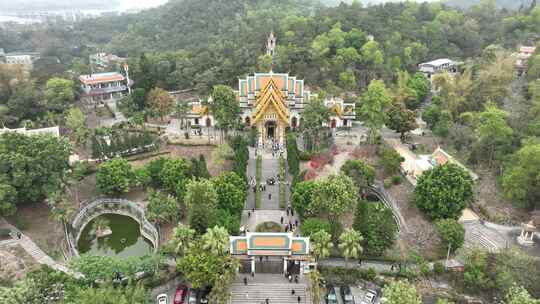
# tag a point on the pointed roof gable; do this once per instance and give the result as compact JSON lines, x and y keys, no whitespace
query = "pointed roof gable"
{"x":271,"y":95}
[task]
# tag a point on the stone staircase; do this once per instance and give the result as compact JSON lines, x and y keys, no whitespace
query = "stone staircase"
{"x":477,"y":234}
{"x":273,"y":287}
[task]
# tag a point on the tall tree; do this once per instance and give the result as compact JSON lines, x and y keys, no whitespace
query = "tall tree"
{"x":443,"y":192}
{"x":361,"y":173}
{"x":401,"y":292}
{"x":59,"y":94}
{"x":520,"y":180}
{"x":224,"y":107}
{"x":373,"y":105}
{"x":377,"y":225}
{"x":201,"y":199}
{"x":160,"y":101}
{"x":76,"y":121}
{"x":162,"y":208}
{"x":401,"y":119}
{"x":321,"y":244}
{"x":349,"y":243}
{"x":182,"y":239}
{"x":216,"y":241}
{"x":31,"y":167}
{"x":334,"y":196}
{"x":114,"y":176}
{"x":314,"y":116}
{"x":494,"y":134}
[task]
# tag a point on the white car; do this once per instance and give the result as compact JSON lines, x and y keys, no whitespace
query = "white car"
{"x":370,"y":297}
{"x":162,"y":299}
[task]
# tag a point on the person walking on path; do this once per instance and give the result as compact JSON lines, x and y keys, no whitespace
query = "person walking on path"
{"x":282,"y":220}
{"x":299,"y":299}
{"x":245,"y":281}
{"x":296,"y":222}
{"x":249,"y":214}
{"x":292,"y":292}
{"x":269,"y":196}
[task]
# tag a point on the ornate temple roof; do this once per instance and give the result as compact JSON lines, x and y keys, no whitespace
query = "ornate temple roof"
{"x":271,"y":96}
{"x":287,"y":84}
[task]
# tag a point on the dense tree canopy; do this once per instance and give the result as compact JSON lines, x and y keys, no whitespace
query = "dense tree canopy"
{"x":521,"y":180}
{"x":444,"y":191}
{"x":377,"y":225}
{"x":31,"y":168}
{"x":114,"y":176}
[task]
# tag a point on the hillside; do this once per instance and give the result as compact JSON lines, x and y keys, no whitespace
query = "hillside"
{"x":511,"y":4}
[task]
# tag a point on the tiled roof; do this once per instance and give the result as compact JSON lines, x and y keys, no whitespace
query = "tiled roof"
{"x":100,"y":78}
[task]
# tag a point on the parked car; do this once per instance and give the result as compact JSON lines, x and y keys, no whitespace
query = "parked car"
{"x":192,"y":298}
{"x":180,"y":295}
{"x":162,"y":299}
{"x":346,"y":294}
{"x":203,"y":297}
{"x":331,"y":296}
{"x":370,"y":297}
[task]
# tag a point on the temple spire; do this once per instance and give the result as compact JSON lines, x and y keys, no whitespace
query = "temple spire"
{"x":271,"y":48}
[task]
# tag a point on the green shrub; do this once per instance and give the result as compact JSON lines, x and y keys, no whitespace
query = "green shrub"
{"x":304,"y":156}
{"x":269,"y":227}
{"x":396,"y":179}
{"x":424,"y":269}
{"x":387,"y":183}
{"x":312,"y":225}
{"x":21,"y":223}
{"x":438,"y":268}
{"x":452,"y":233}
{"x":370,"y":274}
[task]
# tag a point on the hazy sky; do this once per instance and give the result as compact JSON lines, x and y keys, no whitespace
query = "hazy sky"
{"x":77,"y":4}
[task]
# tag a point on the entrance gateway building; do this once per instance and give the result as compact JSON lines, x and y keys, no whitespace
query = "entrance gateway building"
{"x":292,"y":252}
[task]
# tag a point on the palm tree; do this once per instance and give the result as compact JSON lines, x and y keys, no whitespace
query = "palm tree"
{"x":349,"y":244}
{"x":182,"y":109}
{"x":182,"y":238}
{"x":216,"y":240}
{"x":321,"y":244}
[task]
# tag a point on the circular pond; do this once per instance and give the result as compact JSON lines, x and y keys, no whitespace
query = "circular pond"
{"x":119,"y":236}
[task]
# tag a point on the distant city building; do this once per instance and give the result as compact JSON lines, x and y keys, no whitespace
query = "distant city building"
{"x":525,"y":52}
{"x":438,"y":66}
{"x":104,"y":60}
{"x":22,"y":58}
{"x":54,"y":131}
{"x":104,"y":86}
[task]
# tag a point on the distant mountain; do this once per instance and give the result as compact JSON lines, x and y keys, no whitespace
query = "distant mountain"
{"x":49,"y":5}
{"x":513,"y":4}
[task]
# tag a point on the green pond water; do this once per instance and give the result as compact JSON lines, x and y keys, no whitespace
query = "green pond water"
{"x":125,"y":240}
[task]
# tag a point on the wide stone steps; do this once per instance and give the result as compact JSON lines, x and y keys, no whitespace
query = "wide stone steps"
{"x":255,"y":293}
{"x":478,"y":235}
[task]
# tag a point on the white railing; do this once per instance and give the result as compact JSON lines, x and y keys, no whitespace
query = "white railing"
{"x":95,"y":208}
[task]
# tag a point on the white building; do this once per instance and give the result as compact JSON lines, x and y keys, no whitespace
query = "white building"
{"x":22,"y":58}
{"x":525,"y":52}
{"x":104,"y":86}
{"x":438,"y":66}
{"x":342,"y":113}
{"x":54,"y":131}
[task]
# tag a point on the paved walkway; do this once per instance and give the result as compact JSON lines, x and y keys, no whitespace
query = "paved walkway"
{"x":118,"y":115}
{"x":35,"y":252}
{"x":376,"y":265}
{"x":251,"y":219}
{"x":270,"y":168}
